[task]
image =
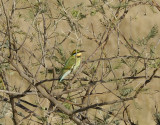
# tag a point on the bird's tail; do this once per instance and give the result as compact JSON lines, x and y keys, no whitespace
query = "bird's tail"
{"x":64,"y":75}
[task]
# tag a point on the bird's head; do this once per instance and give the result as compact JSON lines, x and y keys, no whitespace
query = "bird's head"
{"x":77,"y":52}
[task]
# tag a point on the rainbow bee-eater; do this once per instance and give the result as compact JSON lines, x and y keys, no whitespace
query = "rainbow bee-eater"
{"x":71,"y":64}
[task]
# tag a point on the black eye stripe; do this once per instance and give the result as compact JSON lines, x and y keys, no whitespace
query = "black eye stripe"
{"x":75,"y":53}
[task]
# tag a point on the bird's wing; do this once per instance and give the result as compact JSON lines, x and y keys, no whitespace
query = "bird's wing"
{"x":64,"y":75}
{"x":69,"y":63}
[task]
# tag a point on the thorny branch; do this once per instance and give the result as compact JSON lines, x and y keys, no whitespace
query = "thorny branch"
{"x":26,"y":56}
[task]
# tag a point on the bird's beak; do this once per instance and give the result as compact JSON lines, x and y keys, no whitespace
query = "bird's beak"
{"x":82,"y":51}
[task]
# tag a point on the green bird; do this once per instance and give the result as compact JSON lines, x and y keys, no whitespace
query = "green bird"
{"x":71,"y":64}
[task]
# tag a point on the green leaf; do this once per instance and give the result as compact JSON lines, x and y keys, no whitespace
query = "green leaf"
{"x":152,"y":33}
{"x":75,"y":13}
{"x":92,"y":13}
{"x":125,"y":91}
{"x":157,"y":117}
{"x":78,"y":14}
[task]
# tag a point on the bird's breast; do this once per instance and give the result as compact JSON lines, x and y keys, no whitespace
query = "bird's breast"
{"x":78,"y":61}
